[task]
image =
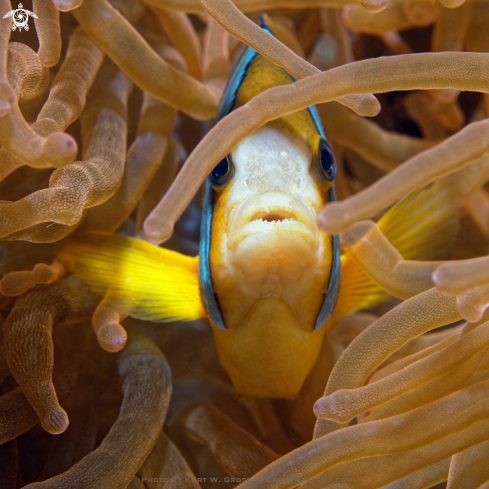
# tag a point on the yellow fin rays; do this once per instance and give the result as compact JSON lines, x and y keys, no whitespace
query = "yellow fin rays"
{"x":422,"y":226}
{"x":142,"y":280}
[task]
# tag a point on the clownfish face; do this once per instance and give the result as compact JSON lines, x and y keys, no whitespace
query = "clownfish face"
{"x":265,"y":236}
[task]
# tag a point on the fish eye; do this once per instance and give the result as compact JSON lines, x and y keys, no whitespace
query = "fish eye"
{"x":327,"y":161}
{"x":221,"y":173}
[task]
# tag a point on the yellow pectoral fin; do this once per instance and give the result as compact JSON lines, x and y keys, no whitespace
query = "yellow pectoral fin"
{"x":357,"y":289}
{"x":143,"y":280}
{"x":422,"y":226}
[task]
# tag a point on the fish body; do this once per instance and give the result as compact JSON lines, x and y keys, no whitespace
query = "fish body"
{"x":270,"y":263}
{"x":267,"y":277}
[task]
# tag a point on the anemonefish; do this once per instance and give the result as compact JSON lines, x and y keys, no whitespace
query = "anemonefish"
{"x":269,"y":280}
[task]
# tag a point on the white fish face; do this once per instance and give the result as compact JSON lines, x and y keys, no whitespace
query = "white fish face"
{"x":265,"y":237}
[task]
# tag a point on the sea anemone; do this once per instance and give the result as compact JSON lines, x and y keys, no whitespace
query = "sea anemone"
{"x":128,"y":90}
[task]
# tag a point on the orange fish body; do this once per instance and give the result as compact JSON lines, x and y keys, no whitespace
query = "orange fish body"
{"x":270,"y":263}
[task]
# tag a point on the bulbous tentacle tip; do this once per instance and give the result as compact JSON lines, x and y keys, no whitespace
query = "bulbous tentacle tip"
{"x":440,"y":278}
{"x":375,"y":108}
{"x":4,"y":107}
{"x":323,"y":223}
{"x":328,"y":408}
{"x":112,"y":337}
{"x":55,"y":421}
{"x":370,"y":107}
{"x":332,"y":219}
{"x":470,"y":311}
{"x":320,"y":406}
{"x":452,"y":3}
{"x":157,"y":232}
{"x":47,"y":58}
{"x":374,"y":6}
{"x":60,"y":149}
{"x":67,"y":5}
{"x":437,"y":279}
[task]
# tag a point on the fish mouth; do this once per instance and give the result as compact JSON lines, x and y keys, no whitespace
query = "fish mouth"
{"x":272,"y":213}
